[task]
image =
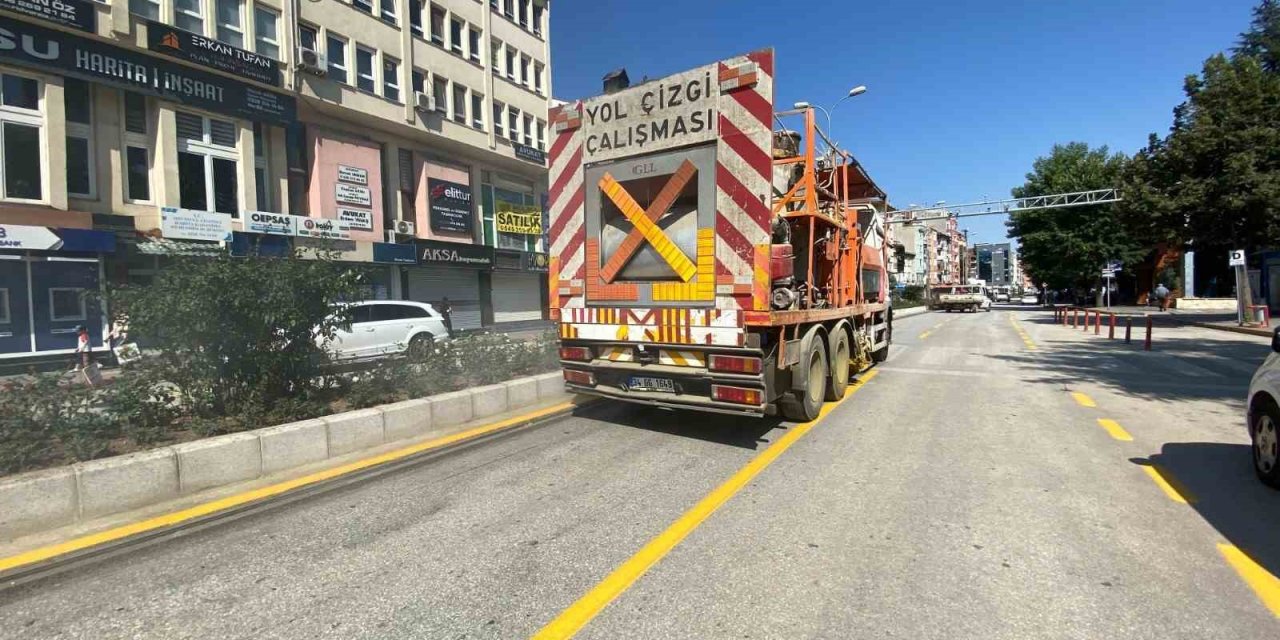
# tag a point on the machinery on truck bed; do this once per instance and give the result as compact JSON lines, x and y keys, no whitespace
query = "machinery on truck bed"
{"x":708,"y":253}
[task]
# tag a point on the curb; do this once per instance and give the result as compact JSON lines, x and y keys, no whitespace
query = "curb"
{"x":1253,"y":331}
{"x":77,"y":547}
{"x":77,"y":494}
{"x":910,"y":311}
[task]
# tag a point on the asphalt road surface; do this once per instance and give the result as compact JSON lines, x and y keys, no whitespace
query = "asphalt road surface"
{"x":967,"y":490}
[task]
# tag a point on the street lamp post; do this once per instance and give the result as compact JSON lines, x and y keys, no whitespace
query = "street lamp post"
{"x":856,"y":91}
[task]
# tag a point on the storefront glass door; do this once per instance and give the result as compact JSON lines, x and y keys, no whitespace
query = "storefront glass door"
{"x":15,"y":325}
{"x":65,"y":294}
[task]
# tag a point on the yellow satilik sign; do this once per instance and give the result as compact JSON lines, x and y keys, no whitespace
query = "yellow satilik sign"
{"x":522,"y":220}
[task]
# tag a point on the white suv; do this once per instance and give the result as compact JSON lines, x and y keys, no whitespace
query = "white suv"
{"x":387,"y":327}
{"x":1264,"y":416}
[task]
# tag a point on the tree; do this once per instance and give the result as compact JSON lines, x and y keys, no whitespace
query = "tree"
{"x":1065,"y":248}
{"x":239,"y":333}
{"x":1262,"y":40}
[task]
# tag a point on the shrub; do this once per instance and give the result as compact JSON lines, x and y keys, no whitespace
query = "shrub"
{"x":44,"y":416}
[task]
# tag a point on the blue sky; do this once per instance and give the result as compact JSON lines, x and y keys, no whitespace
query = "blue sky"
{"x":962,"y":96}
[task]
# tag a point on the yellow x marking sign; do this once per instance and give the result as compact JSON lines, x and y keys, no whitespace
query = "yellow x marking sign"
{"x":651,"y":232}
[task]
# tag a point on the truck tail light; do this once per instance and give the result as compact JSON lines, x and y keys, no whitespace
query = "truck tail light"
{"x":584,"y":378}
{"x":582,"y":354}
{"x":740,"y":395}
{"x":734,"y":364}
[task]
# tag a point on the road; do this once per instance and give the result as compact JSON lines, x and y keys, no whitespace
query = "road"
{"x":966,"y":490}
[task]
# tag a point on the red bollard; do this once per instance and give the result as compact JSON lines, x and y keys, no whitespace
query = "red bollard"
{"x":1111,"y":333}
{"x":1147,"y":345}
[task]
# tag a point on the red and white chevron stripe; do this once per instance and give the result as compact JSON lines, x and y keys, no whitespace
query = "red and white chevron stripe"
{"x":744,"y":170}
{"x":566,"y":195}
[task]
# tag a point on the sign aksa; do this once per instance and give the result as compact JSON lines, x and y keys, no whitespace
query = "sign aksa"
{"x":37,"y":47}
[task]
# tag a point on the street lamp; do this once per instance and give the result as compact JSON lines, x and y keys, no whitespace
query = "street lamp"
{"x":856,"y":91}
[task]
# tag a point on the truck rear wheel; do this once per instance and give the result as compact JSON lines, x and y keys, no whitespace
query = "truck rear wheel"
{"x":838,"y":380}
{"x":806,"y":403}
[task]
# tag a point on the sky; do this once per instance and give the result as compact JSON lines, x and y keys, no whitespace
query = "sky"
{"x":962,"y":96}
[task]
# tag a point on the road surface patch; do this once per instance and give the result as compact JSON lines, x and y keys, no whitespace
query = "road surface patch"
{"x":574,"y":618}
{"x":1166,"y":482}
{"x":1083,"y":400}
{"x":117,"y":534}
{"x":1112,"y":427}
{"x":1265,"y":585}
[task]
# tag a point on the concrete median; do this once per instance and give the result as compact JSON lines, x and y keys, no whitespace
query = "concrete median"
{"x":213,"y":462}
{"x":293,"y":445}
{"x":112,"y":485}
{"x":488,"y":401}
{"x":353,"y":431}
{"x":38,"y":501}
{"x":449,"y":409}
{"x":408,"y":419}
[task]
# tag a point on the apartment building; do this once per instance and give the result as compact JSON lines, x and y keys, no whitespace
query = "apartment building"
{"x":407,"y":134}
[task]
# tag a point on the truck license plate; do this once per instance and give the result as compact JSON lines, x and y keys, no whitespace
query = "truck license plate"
{"x":645,"y":383}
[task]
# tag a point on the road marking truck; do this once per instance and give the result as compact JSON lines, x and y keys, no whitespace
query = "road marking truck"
{"x":709,"y":252}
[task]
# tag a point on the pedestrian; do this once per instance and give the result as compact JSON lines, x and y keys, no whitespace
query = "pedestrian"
{"x":83,"y":348}
{"x":1162,"y":296}
{"x":446,"y":312}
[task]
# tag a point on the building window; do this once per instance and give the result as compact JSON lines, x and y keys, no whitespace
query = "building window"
{"x":513,"y":124}
{"x":537,"y":20}
{"x":266,"y":39}
{"x":307,"y":37}
{"x":337,"y":58}
{"x":477,"y":111}
{"x":528,"y":130}
{"x":230,"y":22}
{"x":189,"y":15}
{"x":542,"y":135}
{"x":137,"y":148}
{"x":389,"y":11}
{"x":415,"y":17}
{"x":363,"y":5}
{"x":66,"y":304}
{"x":495,"y":56}
{"x":419,"y":81}
{"x":21,"y":122}
{"x":508,"y":9}
{"x":524,"y":13}
{"x":476,"y":39}
{"x":459,"y":103}
{"x":526,"y":78}
{"x":145,"y":8}
{"x":364,"y":69}
{"x":511,"y":63}
{"x":437,"y":25}
{"x":262,"y":183}
{"x":455,"y":36}
{"x":207,"y":164}
{"x":538,"y":70}
{"x":440,"y":89}
{"x":498,"y":110}
{"x":391,"y":78}
{"x":78,"y":104}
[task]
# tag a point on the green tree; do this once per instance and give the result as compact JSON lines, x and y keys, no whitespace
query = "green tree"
{"x":1068,"y":247}
{"x":239,"y":334}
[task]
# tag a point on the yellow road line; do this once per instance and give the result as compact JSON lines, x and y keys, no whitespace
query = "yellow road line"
{"x":1115,"y":429}
{"x":1265,"y":585}
{"x":177,"y":517}
{"x":1165,"y":481}
{"x":925,"y":335}
{"x":571,"y":620}
{"x":1083,"y":400}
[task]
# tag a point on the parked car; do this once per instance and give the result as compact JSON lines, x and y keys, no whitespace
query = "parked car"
{"x":387,"y":327}
{"x":1030,"y":298}
{"x":1264,"y":416}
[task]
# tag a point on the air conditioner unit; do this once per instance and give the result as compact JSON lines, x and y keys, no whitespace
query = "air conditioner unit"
{"x":312,"y":61}
{"x":424,"y":102}
{"x":406,"y":227}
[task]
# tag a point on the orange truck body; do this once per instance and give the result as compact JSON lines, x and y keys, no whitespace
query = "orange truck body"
{"x":667,"y":277}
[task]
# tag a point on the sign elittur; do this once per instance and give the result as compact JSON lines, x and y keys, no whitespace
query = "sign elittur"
{"x":450,"y":206}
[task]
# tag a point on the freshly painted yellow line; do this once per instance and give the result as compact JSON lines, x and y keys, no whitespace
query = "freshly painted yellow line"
{"x":1083,"y":400}
{"x":1162,"y":479}
{"x":1265,"y":585}
{"x":222,"y":504}
{"x":571,"y":620}
{"x":925,"y":335}
{"x":1115,"y":429}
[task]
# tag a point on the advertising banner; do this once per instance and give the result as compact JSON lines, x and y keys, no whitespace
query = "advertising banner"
{"x":274,"y":224}
{"x":354,"y":175}
{"x":64,"y":53}
{"x":521,"y":220}
{"x":77,"y":14}
{"x":187,"y":224}
{"x":322,"y":228}
{"x":530,"y":154}
{"x":450,"y":206}
{"x":357,"y":219}
{"x":16,"y":236}
{"x":394,"y":253}
{"x":196,"y":48}
{"x":455,"y":253}
{"x":353,"y":194}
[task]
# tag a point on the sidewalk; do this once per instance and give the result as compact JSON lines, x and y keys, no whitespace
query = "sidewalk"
{"x":1213,"y":319}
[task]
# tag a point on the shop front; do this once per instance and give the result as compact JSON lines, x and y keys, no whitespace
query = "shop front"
{"x":519,"y":288}
{"x":50,"y":283}
{"x":455,"y":271}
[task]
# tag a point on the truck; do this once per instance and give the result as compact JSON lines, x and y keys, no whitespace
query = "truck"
{"x":711,"y":253}
{"x":964,"y":297}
